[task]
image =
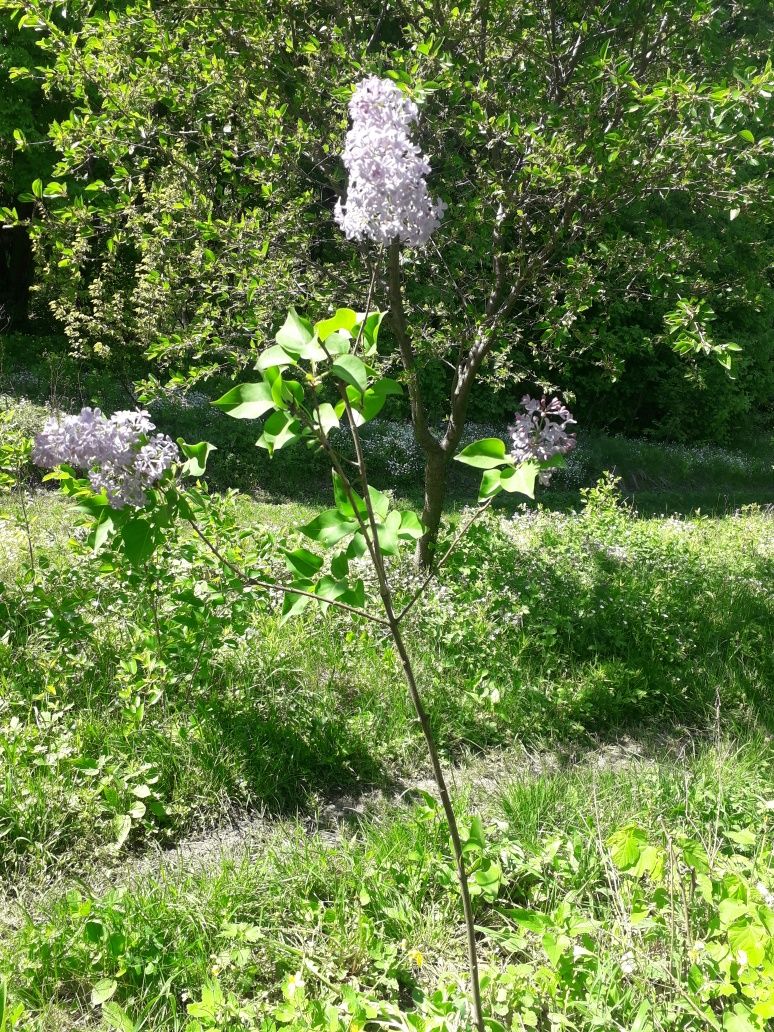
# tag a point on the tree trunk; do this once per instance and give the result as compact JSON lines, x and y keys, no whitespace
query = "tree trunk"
{"x":436,"y":474}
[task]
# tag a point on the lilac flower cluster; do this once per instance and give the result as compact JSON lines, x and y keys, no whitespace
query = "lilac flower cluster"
{"x":122,"y":455}
{"x":387,"y":196}
{"x":540,"y":432}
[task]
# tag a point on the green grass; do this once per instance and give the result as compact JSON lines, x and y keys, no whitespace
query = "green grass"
{"x":546,"y":627}
{"x":598,"y":674}
{"x":374,"y":915}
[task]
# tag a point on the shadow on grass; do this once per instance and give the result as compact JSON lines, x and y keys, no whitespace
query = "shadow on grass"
{"x":611,"y":643}
{"x":282,"y":761}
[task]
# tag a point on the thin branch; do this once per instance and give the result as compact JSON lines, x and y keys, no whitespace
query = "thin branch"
{"x":427,"y":731}
{"x":425,"y":438}
{"x":285,"y":589}
{"x":366,"y":313}
{"x":434,"y":572}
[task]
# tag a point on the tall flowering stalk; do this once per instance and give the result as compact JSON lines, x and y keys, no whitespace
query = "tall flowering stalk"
{"x":388,"y":203}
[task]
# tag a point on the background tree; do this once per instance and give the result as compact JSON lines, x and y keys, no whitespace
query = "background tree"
{"x":25,"y":155}
{"x":579,"y":146}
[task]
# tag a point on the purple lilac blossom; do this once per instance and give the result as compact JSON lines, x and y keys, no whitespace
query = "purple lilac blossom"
{"x":540,"y":432}
{"x":387,"y":196}
{"x":122,"y":455}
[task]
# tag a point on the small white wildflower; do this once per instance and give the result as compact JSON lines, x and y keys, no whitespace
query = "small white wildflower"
{"x":627,"y":963}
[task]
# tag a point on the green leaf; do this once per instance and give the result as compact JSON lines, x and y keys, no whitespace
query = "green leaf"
{"x":342,"y":319}
{"x":745,"y":837}
{"x":341,"y":497}
{"x":651,"y":862}
{"x":196,"y":457}
{"x":340,"y":566}
{"x":115,"y":1017}
{"x":102,"y":530}
{"x":351,"y":370}
{"x":303,"y":562}
{"x":313,"y":352}
{"x":486,"y":880}
{"x":293,"y":604}
{"x":387,"y":386}
{"x":745,"y":134}
{"x":294,"y":333}
{"x":329,"y":527}
{"x":747,"y":935}
{"x":737,"y":1020}
{"x":380,"y":503}
{"x":485,"y":454}
{"x":246,"y":401}
{"x":490,"y":484}
{"x":410,"y":526}
{"x":521,"y":479}
{"x":279,"y":429}
{"x":355,"y":596}
{"x":139,"y":538}
{"x":387,"y":533}
{"x":626,"y":846}
{"x":367,"y":405}
{"x":370,"y":330}
{"x":331,"y":587}
{"x":275,"y":357}
{"x":102,"y":991}
{"x":357,"y":546}
{"x":553,"y":948}
{"x":474,"y":836}
{"x":287,"y":393}
{"x":371,"y":402}
{"x":327,"y":419}
{"x":730,"y":910}
{"x":529,"y":919}
{"x":338,"y":343}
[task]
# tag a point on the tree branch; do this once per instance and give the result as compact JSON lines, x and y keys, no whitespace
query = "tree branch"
{"x":426,"y":440}
{"x":285,"y":589}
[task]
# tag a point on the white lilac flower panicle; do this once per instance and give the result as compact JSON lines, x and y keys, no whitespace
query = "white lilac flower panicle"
{"x":387,"y":198}
{"x":122,"y":455}
{"x":540,"y":432}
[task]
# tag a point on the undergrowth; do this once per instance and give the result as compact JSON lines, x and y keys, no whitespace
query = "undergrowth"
{"x":619,"y":892}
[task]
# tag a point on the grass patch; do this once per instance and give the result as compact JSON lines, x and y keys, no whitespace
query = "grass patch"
{"x":125,"y":721}
{"x":622,"y":878}
{"x":313,"y":932}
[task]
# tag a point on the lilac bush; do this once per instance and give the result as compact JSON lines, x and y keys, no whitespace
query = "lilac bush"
{"x":387,"y":198}
{"x":123,"y":455}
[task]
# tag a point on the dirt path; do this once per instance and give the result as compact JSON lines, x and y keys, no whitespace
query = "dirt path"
{"x":478,"y":777}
